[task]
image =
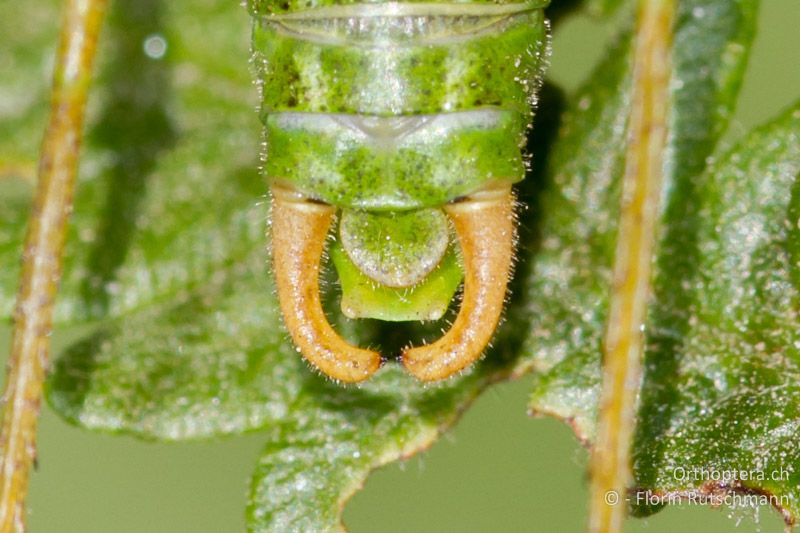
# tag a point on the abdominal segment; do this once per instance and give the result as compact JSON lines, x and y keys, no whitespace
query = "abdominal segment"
{"x":394,"y":163}
{"x":400,"y":58}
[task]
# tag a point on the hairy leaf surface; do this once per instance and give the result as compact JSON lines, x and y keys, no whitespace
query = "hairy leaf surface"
{"x":719,"y":395}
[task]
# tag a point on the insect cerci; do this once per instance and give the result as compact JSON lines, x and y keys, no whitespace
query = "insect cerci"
{"x":404,"y":122}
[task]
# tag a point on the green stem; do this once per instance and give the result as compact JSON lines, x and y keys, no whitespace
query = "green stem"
{"x":42,"y":258}
{"x":641,"y":191}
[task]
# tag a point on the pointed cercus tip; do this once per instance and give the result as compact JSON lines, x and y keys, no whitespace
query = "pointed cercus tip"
{"x":299,"y":231}
{"x":484,"y":224}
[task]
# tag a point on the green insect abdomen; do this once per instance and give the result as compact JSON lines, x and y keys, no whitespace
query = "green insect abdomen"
{"x":408,"y":120}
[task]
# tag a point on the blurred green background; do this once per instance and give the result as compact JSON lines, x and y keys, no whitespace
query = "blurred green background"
{"x":498,"y":470}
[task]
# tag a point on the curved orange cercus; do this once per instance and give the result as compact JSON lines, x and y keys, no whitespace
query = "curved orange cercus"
{"x":299,"y":231}
{"x":484,"y":224}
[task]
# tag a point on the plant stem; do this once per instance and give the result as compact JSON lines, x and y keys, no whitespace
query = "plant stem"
{"x":42,"y":258}
{"x":641,"y":191}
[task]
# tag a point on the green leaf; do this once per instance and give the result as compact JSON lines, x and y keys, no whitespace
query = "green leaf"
{"x":573,"y":266}
{"x":719,"y":395}
{"x":168,"y":176}
{"x":313,"y":463}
